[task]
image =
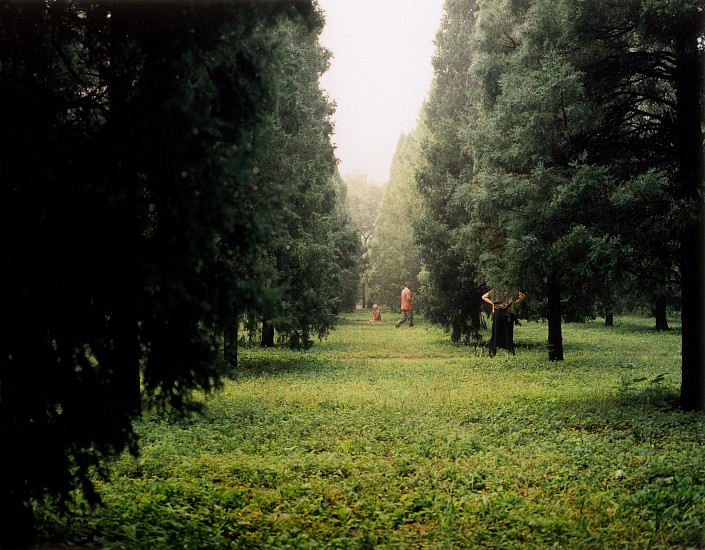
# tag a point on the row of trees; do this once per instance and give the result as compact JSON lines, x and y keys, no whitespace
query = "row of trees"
{"x":562,"y":153}
{"x":167,"y":173}
{"x":394,"y":256}
{"x":363,"y":200}
{"x":384,"y":216}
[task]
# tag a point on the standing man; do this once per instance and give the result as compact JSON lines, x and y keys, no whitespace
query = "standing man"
{"x":407,"y":310}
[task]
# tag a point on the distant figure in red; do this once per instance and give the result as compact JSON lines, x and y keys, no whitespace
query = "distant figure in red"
{"x":502,"y":318}
{"x":377,"y":314}
{"x":407,"y":310}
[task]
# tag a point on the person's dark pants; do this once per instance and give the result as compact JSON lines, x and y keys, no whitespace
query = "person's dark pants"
{"x":406,"y":314}
{"x":502,"y":332}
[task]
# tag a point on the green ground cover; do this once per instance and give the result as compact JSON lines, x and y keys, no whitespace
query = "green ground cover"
{"x":395,"y":438}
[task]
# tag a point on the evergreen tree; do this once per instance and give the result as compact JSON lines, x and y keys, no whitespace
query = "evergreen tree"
{"x":350,"y":251}
{"x":315,"y":252}
{"x":363,"y":198}
{"x":451,"y":281}
{"x":583,"y":122}
{"x":645,"y":68}
{"x":128,"y":175}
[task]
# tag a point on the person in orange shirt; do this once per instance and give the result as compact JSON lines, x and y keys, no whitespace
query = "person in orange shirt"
{"x":376,"y":315}
{"x":407,"y":309}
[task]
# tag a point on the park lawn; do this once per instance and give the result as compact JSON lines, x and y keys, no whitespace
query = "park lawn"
{"x":396,"y":438}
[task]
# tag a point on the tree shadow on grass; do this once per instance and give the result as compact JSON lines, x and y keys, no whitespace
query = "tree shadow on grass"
{"x":648,"y":416}
{"x":278,"y":363}
{"x":645,"y":409}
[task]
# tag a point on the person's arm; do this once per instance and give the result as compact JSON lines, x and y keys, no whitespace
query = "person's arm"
{"x":486,"y":298}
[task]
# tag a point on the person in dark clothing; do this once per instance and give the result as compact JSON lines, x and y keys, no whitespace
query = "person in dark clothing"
{"x":502,"y":318}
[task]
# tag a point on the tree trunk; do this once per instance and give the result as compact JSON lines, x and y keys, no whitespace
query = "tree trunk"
{"x":571,"y":315}
{"x":692,"y":396}
{"x":230,"y":341}
{"x":660,"y":313}
{"x":690,"y":173}
{"x":555,"y":335}
{"x":475,"y":320}
{"x":456,"y":331}
{"x":126,"y":239}
{"x":267,"y":334}
{"x":608,"y":302}
{"x":125,"y":359}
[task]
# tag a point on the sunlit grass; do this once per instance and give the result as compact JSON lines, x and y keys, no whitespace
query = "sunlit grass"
{"x":397,"y":438}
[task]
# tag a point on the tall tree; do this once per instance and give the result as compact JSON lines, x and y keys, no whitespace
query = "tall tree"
{"x":316,"y":248}
{"x":583,"y":122}
{"x":351,"y":253}
{"x":128,"y":175}
{"x":645,"y":68}
{"x":452,"y":282}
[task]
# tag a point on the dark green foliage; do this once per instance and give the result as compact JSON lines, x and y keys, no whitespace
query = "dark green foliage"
{"x":131,"y":232}
{"x":536,"y":192}
{"x":314,"y":254}
{"x":350,"y":252}
{"x":451,"y":292}
{"x":646,"y":70}
{"x":448,"y":245}
{"x":566,"y":142}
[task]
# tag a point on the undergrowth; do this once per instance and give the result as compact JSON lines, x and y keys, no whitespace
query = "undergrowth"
{"x":396,"y":438}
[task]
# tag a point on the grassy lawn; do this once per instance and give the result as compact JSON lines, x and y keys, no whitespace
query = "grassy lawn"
{"x":395,"y":438}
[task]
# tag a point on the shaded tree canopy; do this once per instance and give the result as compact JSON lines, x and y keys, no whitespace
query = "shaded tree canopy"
{"x":133,"y":218}
{"x":449,"y":248}
{"x":314,"y":255}
{"x":565,"y":145}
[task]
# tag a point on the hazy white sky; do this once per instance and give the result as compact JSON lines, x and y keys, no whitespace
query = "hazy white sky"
{"x":379,"y":76}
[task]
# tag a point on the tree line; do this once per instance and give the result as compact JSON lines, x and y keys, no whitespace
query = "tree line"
{"x":560,"y":151}
{"x":168,"y":178}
